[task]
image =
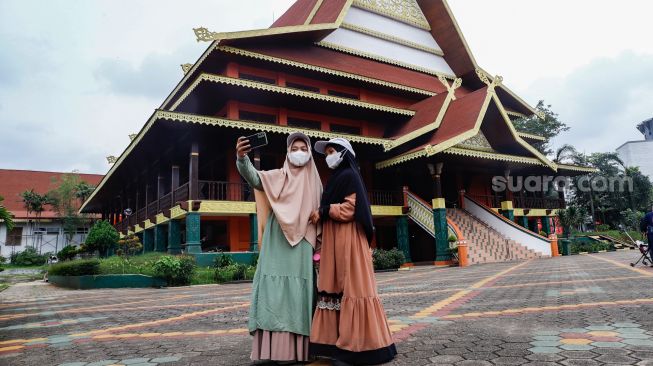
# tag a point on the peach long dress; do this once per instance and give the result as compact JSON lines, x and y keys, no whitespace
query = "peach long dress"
{"x":349,"y":322}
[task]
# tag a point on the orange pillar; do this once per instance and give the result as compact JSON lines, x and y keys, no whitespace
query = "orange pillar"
{"x":554,"y":245}
{"x":462,"y":253}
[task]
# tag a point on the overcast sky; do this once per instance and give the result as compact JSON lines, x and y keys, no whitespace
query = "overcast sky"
{"x":78,"y":76}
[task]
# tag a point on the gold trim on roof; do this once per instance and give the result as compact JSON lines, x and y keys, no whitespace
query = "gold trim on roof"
{"x":111,"y":159}
{"x":405,"y":11}
{"x":492,"y":155}
{"x":324,"y":70}
{"x":289,"y":91}
{"x":400,"y":159}
{"x":451,"y":95}
{"x":256,"y":126}
{"x":390,"y":38}
{"x":577,"y":168}
{"x":203,"y":34}
{"x":206,"y":53}
{"x":316,"y":7}
{"x":477,"y":142}
{"x":386,"y":60}
{"x":132,"y":136}
{"x":515,"y":114}
{"x":531,"y":136}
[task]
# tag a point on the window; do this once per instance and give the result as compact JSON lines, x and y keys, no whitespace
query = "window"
{"x":81,"y":230}
{"x":14,"y":237}
{"x":342,"y":94}
{"x":257,"y":78}
{"x":258,"y":117}
{"x":304,"y":123}
{"x":352,"y":130}
{"x":303,"y":87}
{"x":52,"y":231}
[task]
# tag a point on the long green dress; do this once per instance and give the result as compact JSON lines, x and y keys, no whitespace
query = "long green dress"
{"x":282,"y":292}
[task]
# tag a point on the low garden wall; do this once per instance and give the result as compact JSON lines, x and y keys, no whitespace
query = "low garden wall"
{"x":106,"y":281}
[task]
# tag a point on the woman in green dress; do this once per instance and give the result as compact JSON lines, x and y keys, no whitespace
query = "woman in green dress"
{"x":282,"y":293}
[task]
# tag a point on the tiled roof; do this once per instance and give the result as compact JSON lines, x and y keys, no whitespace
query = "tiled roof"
{"x":15,"y":182}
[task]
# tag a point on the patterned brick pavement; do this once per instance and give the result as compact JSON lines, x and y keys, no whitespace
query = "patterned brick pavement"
{"x":579,"y":310}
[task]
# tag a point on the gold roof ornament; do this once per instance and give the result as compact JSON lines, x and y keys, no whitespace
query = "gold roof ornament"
{"x":204,"y":35}
{"x":540,"y":114}
{"x":186,"y":68}
{"x":111,"y":159}
{"x":132,"y":136}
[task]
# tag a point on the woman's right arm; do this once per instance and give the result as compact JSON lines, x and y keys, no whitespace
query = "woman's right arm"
{"x":248,"y":172}
{"x":244,"y":165}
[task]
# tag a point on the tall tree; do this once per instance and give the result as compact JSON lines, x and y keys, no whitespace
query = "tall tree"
{"x":34,"y":203}
{"x":66,"y":199}
{"x":548,"y":127}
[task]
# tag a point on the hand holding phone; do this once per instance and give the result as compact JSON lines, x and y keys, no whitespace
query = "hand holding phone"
{"x":246,"y":144}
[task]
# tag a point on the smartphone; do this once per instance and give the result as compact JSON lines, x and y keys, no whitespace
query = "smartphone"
{"x":257,"y":140}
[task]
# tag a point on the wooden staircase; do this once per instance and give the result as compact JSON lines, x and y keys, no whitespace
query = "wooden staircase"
{"x":485,"y":244}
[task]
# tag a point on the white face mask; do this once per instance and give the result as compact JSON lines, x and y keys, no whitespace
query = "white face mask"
{"x":334,"y":160}
{"x":299,"y":158}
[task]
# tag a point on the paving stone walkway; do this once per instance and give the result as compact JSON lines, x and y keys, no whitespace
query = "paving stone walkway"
{"x":579,"y":310}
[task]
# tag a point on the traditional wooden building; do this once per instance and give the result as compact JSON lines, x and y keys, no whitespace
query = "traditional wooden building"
{"x":430,"y":127}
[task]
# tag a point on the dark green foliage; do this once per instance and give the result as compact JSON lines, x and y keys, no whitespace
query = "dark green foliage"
{"x":67,"y":253}
{"x":29,"y":257}
{"x":234,"y":272}
{"x":176,"y":270}
{"x":102,"y":237}
{"x":82,"y":267}
{"x":549,"y":127}
{"x":590,"y":247}
{"x":388,"y":259}
{"x":222,"y":260}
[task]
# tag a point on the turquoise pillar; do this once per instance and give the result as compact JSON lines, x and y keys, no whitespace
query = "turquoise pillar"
{"x":507,"y":210}
{"x":148,"y":240}
{"x":546,"y":225}
{"x":253,"y":233}
{"x":442,"y":253}
{"x":524,"y":221}
{"x":160,"y":239}
{"x":174,"y":237}
{"x":193,"y":244}
{"x":403,"y":238}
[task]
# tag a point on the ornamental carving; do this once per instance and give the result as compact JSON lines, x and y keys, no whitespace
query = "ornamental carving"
{"x":186,"y":68}
{"x":430,"y":150}
{"x":421,"y":214}
{"x":477,"y":142}
{"x":132,"y":136}
{"x":403,"y":10}
{"x":204,"y":34}
{"x":111,"y":159}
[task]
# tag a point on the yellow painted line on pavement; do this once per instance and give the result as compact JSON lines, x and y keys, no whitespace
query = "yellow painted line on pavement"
{"x":460,"y":294}
{"x":528,"y":284}
{"x":547,"y":308}
{"x":619,"y":264}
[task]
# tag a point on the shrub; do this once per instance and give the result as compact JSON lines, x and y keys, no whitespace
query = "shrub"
{"x":452,"y":239}
{"x":602,"y":227}
{"x":67,"y":253}
{"x":176,"y":270}
{"x":129,"y":245}
{"x":3,"y":260}
{"x":388,"y":259}
{"x":81,"y":267}
{"x":29,"y":257}
{"x":222,"y":260}
{"x":234,"y":272}
{"x":250,"y":272}
{"x":102,"y":237}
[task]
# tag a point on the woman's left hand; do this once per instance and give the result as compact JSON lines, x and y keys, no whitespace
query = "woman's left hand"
{"x":315,"y":217}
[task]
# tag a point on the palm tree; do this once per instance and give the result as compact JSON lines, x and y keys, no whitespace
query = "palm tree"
{"x":34,"y":202}
{"x":564,"y":153}
{"x":5,"y":216}
{"x":570,"y":217}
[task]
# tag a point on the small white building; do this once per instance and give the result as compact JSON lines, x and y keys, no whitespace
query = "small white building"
{"x":45,"y":233}
{"x":640,"y":153}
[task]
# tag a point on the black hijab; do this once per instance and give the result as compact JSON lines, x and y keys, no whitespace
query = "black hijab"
{"x":347,"y":179}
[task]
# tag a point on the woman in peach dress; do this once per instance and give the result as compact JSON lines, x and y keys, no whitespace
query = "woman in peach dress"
{"x":349,"y":325}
